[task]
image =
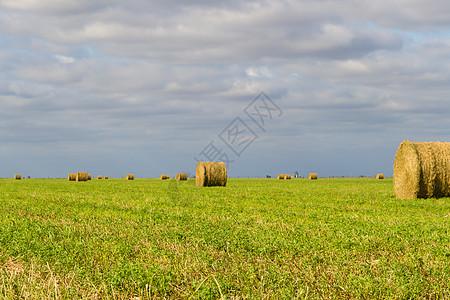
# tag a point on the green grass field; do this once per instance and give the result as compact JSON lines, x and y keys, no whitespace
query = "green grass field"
{"x":254,"y":239}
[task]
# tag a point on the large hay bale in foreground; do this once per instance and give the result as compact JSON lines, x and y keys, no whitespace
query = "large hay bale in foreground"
{"x":211,"y":174}
{"x":164,"y":177}
{"x":287,"y":176}
{"x":422,"y":170}
{"x":380,"y":176}
{"x":312,"y":176}
{"x":130,"y":177}
{"x":72,"y":176}
{"x":99,"y":177}
{"x":181,"y":176}
{"x":82,"y":176}
{"x":280,"y":176}
{"x":17,"y":177}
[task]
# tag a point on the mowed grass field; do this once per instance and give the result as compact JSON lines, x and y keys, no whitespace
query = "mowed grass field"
{"x":254,"y":239}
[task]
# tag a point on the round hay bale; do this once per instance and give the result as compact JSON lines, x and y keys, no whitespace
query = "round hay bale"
{"x":380,"y":176}
{"x":422,"y":170}
{"x":287,"y":176}
{"x":130,"y":177}
{"x":72,"y":176}
{"x":280,"y":176}
{"x":82,"y":176}
{"x":164,"y":177}
{"x":17,"y":177}
{"x":89,"y":177}
{"x":181,"y":176}
{"x":211,"y":174}
{"x":106,"y":177}
{"x":312,"y":176}
{"x":99,"y":177}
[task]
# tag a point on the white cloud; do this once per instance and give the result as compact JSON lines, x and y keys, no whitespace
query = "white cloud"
{"x":259,"y":72}
{"x":65,"y":59}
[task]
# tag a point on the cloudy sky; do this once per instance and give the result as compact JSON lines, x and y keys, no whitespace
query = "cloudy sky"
{"x":144,"y":87}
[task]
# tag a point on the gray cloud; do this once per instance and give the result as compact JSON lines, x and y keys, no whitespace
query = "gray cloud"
{"x":110,"y":85}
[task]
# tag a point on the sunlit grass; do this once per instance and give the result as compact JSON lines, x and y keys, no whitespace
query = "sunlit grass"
{"x":256,"y":238}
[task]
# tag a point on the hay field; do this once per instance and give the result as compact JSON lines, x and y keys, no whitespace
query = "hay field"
{"x":254,"y":239}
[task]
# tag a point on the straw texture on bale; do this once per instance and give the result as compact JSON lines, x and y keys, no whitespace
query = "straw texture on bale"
{"x":287,"y":176}
{"x":164,"y":177}
{"x":280,"y":176}
{"x":211,"y":174}
{"x":380,"y":176}
{"x":72,"y":176}
{"x":89,"y":177}
{"x":106,"y":177}
{"x":82,"y":176}
{"x":18,"y":177}
{"x":422,"y":170}
{"x":99,"y":177}
{"x":130,"y":177}
{"x":312,"y":176}
{"x":181,"y":176}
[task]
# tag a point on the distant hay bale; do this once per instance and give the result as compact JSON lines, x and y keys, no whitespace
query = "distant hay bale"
{"x":99,"y":177}
{"x":17,"y":177}
{"x":312,"y":176}
{"x":422,"y":170}
{"x":106,"y":177}
{"x":72,"y":176}
{"x":211,"y":174}
{"x":130,"y":177}
{"x":82,"y":176}
{"x":287,"y":176}
{"x":89,"y":177}
{"x":280,"y":176}
{"x":181,"y":176}
{"x":164,"y":177}
{"x":380,"y":176}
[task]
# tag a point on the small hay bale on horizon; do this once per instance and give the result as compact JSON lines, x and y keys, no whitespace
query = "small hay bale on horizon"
{"x":181,"y":176}
{"x":99,"y":177}
{"x":82,"y":176}
{"x":422,"y":170}
{"x":89,"y":177}
{"x":164,"y":177}
{"x":106,"y":177}
{"x":211,"y":174}
{"x":129,"y":177}
{"x":17,"y":177}
{"x":312,"y":176}
{"x":380,"y":176}
{"x":72,"y":177}
{"x":280,"y":176}
{"x":287,"y":176}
